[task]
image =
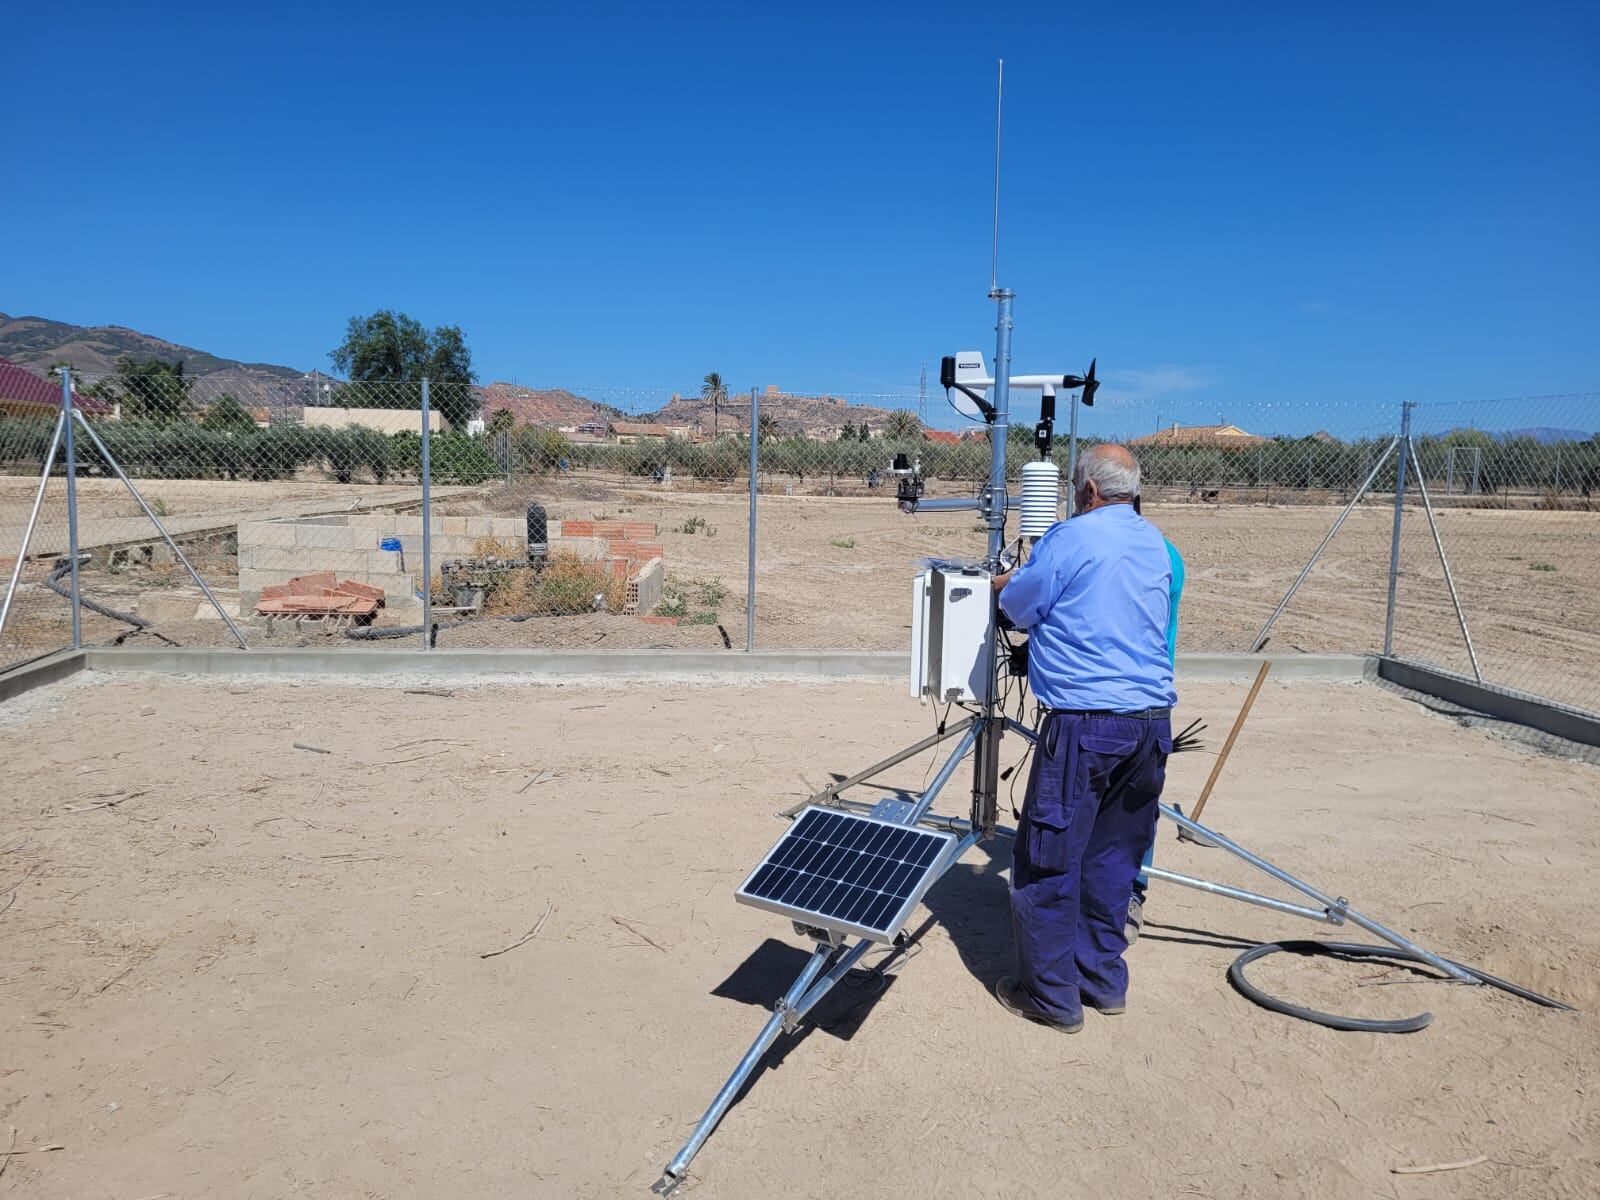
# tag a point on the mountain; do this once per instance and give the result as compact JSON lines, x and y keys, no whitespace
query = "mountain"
{"x":38,"y":343}
{"x":814,"y":416}
{"x":543,"y":406}
{"x":1546,"y":435}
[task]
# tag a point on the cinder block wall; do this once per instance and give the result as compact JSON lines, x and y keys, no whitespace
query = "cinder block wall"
{"x":272,"y":552}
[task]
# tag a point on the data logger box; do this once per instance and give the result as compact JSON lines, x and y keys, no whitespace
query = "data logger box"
{"x":952,"y":635}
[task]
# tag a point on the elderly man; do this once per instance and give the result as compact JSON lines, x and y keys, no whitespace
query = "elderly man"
{"x":1096,"y":599}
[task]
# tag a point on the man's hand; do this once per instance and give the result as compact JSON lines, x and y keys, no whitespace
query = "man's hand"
{"x":1000,"y":581}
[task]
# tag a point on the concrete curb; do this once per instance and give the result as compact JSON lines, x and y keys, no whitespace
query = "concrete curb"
{"x":873,"y":664}
{"x":41,"y":671}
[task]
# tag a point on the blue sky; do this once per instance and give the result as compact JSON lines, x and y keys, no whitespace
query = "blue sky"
{"x":1283,"y":215}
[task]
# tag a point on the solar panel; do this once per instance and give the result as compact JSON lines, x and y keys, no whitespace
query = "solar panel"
{"x":847,"y":872}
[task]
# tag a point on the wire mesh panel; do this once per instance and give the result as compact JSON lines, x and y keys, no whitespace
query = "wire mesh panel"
{"x":1515,"y":485}
{"x":38,"y":621}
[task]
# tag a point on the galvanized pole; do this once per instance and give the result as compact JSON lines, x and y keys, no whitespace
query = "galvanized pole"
{"x":427,"y":529}
{"x":750,"y":553}
{"x":1394,"y":541}
{"x":72,"y":506}
{"x":1072,"y":457}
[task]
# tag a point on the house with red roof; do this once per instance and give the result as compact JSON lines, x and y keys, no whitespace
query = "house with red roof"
{"x":24,"y":394}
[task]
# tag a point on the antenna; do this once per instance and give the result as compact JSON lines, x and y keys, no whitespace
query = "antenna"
{"x":922,"y":395}
{"x":994,"y":253}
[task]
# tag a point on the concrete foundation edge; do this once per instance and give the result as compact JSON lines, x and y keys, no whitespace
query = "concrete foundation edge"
{"x":877,"y":664}
{"x":41,"y":671}
{"x":1517,"y":707}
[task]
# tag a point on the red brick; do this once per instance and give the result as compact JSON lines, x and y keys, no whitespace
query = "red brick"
{"x":638,"y":531}
{"x":659,"y":620}
{"x":577,"y":529}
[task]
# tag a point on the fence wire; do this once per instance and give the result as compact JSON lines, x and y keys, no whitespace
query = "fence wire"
{"x":618,"y":517}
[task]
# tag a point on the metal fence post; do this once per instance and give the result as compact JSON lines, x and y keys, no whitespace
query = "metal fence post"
{"x":1394,"y":542}
{"x":72,"y":506}
{"x":427,"y":530}
{"x":755,"y":470}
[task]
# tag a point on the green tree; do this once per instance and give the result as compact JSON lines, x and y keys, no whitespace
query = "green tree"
{"x":768,"y":427}
{"x":863,"y":434}
{"x":227,"y":415}
{"x":154,"y":389}
{"x":714,"y":390}
{"x":391,"y":347}
{"x":902,"y":426}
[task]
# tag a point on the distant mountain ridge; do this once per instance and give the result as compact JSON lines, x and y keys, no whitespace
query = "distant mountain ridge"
{"x":38,"y":342}
{"x":1546,"y":434}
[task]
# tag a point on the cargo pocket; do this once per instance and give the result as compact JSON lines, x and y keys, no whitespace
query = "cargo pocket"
{"x":1048,"y":842}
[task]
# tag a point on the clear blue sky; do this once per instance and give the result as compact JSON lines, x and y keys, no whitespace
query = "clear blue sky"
{"x":1277,"y":213}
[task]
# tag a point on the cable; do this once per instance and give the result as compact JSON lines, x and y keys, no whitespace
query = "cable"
{"x":62,"y":567}
{"x":1356,"y":952}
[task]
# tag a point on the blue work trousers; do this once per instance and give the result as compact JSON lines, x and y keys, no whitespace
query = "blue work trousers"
{"x":1087,"y":822}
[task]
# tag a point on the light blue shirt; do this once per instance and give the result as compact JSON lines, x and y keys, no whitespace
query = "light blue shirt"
{"x":1096,"y":599}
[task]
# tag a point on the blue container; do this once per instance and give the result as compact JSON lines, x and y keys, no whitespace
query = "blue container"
{"x":388,"y":544}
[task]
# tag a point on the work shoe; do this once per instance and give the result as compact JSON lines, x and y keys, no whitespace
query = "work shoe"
{"x":1135,"y":922}
{"x":1111,"y":1008}
{"x":1014,"y":998}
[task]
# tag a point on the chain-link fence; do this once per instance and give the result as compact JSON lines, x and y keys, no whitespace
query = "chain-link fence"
{"x":619,"y":518}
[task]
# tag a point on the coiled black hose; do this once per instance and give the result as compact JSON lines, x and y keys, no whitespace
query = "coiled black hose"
{"x":1355,"y":952}
{"x":53,"y":582}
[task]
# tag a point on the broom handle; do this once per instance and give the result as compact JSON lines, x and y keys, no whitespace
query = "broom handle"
{"x":1227,"y":746}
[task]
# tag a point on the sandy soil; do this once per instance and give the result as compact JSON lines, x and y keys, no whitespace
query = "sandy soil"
{"x":258,"y":972}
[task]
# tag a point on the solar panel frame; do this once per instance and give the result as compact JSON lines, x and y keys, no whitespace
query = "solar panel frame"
{"x":849,"y":872}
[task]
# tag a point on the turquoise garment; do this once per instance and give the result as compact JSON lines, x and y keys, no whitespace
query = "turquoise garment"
{"x":1176,"y":592}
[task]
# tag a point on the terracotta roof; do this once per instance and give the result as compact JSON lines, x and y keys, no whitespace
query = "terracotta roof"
{"x":647,"y":428}
{"x":21,"y":386}
{"x":943,"y":437}
{"x":1200,"y":435}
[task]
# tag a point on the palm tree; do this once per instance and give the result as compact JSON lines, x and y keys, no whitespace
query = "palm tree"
{"x":714,"y":391}
{"x":902,"y":425}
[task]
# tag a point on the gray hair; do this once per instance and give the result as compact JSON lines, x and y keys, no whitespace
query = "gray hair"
{"x":1115,"y":471}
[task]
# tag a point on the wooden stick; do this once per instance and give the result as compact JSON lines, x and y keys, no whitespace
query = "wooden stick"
{"x":1430,"y":1168}
{"x":549,"y":907}
{"x":1227,"y":746}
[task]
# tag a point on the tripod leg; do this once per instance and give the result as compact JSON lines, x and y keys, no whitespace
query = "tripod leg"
{"x":675,"y":1170}
{"x":1335,"y":906}
{"x":899,"y":756}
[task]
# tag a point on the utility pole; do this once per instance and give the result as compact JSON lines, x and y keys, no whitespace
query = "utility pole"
{"x":922,"y":395}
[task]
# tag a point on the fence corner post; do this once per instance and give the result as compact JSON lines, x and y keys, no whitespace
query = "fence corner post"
{"x":72,"y":504}
{"x":755,"y":472}
{"x":1394,"y":542}
{"x":427,"y":528}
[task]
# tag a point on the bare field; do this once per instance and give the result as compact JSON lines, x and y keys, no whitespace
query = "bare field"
{"x":231,"y":968}
{"x":835,"y":572}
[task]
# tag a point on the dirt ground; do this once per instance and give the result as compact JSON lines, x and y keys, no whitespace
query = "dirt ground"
{"x":835,"y":572}
{"x":234,"y":968}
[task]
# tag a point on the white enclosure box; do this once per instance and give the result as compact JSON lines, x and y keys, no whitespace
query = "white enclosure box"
{"x":952,"y":635}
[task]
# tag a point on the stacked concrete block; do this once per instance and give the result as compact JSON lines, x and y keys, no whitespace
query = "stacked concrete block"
{"x":272,"y":552}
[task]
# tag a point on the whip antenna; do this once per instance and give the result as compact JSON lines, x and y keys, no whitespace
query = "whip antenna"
{"x":994,"y":253}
